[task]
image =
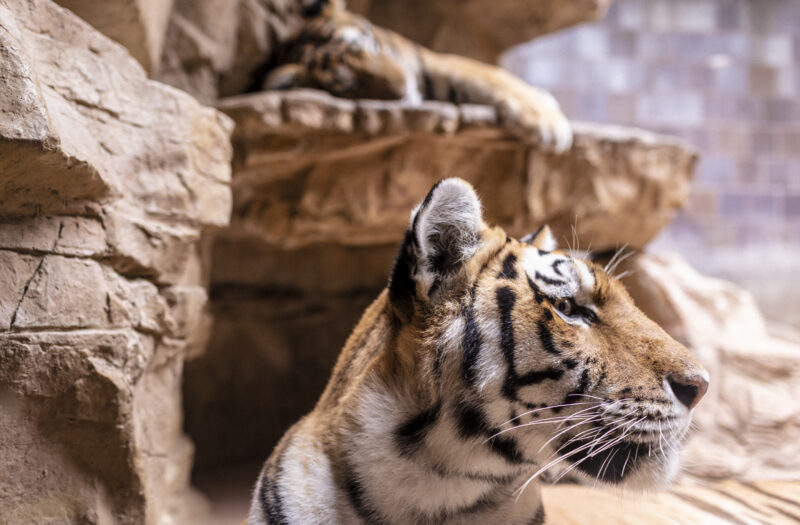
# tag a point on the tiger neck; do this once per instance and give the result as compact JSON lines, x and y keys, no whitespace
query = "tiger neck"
{"x":436,"y":472}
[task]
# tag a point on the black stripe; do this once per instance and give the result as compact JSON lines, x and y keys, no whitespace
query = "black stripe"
{"x":425,"y":202}
{"x":505,"y":303}
{"x":446,"y":473}
{"x":427,"y":86}
{"x":402,"y":287}
{"x":355,"y":493}
{"x":509,"y":271}
{"x":528,"y":239}
{"x":270,"y":498}
{"x":557,"y":263}
{"x":537,"y":376}
{"x":472,"y":346}
{"x":410,"y":434}
{"x":537,"y":293}
{"x":488,"y":500}
{"x":538,"y":518}
{"x":576,"y":395}
{"x":313,"y":8}
{"x":548,"y":280}
{"x":452,"y":94}
{"x":470,"y":420}
{"x":546,"y":337}
{"x":506,"y":447}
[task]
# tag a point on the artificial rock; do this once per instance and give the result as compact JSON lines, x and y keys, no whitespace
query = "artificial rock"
{"x":108,"y":182}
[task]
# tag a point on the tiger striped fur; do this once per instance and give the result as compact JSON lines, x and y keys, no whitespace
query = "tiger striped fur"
{"x":485,"y":361}
{"x":344,"y":54}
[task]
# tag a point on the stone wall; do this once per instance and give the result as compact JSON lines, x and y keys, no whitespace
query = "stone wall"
{"x":108,"y":182}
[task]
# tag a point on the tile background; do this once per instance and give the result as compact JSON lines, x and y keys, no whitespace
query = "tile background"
{"x":725,"y":76}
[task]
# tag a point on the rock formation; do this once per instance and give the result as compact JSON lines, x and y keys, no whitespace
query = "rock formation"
{"x":479,"y":29}
{"x":107,"y":182}
{"x":749,"y":422}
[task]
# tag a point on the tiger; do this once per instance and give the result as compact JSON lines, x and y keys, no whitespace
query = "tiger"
{"x":342,"y":53}
{"x":485,"y":362}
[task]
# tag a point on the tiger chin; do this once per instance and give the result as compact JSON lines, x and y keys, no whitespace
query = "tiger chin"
{"x":486,"y":362}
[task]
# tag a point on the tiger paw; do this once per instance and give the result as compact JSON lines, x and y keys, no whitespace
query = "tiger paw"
{"x":534,"y":116}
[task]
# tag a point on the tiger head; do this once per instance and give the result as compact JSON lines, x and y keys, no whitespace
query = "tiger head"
{"x":536,"y":355}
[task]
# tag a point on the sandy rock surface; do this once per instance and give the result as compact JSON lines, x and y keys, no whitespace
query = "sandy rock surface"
{"x":749,"y":422}
{"x":494,"y":25}
{"x":107,"y":182}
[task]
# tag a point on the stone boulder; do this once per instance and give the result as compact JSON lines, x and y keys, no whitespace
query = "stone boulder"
{"x":108,"y":182}
{"x":749,"y":422}
{"x":216,"y":47}
{"x":139,"y":25}
{"x":311,"y":168}
{"x":323,"y":188}
{"x":481,"y":29}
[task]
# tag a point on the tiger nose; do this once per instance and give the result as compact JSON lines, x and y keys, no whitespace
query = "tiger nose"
{"x":689,"y":389}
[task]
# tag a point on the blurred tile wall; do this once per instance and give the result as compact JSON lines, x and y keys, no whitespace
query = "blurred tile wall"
{"x":725,"y":76}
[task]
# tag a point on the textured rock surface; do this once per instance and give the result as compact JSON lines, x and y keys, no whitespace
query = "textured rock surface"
{"x":139,"y":25}
{"x":311,"y":168}
{"x":216,"y":47}
{"x":107,"y":182}
{"x":479,"y":29}
{"x":720,"y":502}
{"x":749,"y":422}
{"x":323,"y":189}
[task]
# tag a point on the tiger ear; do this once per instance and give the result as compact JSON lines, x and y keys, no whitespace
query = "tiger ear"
{"x":444,"y":233}
{"x":542,"y":239}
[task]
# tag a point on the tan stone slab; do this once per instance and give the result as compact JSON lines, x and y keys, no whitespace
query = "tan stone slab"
{"x":311,"y":168}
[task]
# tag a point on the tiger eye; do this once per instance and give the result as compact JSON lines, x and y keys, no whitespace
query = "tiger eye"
{"x":564,"y":306}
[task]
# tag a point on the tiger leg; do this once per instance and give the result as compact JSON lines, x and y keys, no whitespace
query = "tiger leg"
{"x":529,"y":112}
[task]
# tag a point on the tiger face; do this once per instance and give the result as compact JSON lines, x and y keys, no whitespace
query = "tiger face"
{"x":534,"y":359}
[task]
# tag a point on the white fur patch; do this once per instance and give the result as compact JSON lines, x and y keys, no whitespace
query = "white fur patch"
{"x":570,"y":278}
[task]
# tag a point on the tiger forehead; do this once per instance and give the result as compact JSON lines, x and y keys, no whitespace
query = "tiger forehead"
{"x":557,"y":274}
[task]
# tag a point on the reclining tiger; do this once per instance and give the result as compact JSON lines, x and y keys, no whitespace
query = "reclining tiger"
{"x":485,"y":362}
{"x":342,"y":53}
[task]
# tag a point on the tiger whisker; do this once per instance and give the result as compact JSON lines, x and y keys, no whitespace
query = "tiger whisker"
{"x":521,"y":489}
{"x":530,"y":424}
{"x":619,"y":261}
{"x":614,"y":257}
{"x":567,"y":430}
{"x":548,"y":408}
{"x":617,"y":439}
